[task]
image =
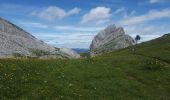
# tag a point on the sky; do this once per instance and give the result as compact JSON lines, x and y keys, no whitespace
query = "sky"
{"x":74,"y":23}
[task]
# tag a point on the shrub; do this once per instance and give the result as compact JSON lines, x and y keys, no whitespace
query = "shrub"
{"x":40,"y":52}
{"x":17,"y":55}
{"x":85,"y":55}
{"x":153,"y":64}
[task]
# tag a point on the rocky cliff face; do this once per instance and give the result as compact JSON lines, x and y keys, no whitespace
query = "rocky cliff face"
{"x":110,"y":39}
{"x":14,"y":41}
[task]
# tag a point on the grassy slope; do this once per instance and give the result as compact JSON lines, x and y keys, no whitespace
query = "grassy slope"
{"x":138,"y":72}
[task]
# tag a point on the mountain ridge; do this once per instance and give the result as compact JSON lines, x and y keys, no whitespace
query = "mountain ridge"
{"x":16,"y":41}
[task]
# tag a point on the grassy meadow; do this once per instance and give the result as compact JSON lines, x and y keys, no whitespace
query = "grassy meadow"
{"x":140,"y":72}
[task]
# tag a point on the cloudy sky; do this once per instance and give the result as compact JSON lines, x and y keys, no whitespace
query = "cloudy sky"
{"x":73,"y":23}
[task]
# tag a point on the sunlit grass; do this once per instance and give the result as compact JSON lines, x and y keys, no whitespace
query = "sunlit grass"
{"x":143,"y":73}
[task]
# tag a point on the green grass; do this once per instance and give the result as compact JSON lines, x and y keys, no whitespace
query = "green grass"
{"x":140,"y":72}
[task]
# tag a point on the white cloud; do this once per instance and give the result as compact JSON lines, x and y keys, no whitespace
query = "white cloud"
{"x":77,"y":28}
{"x":102,"y":21}
{"x":120,"y":10}
{"x":147,"y":32}
{"x":52,"y":13}
{"x":156,"y":1}
{"x":132,"y":12}
{"x":143,"y":29}
{"x":151,"y":15}
{"x":96,"y":14}
{"x":33,"y":24}
{"x":124,"y":12}
{"x":74,"y":40}
{"x":73,"y":37}
{"x":74,"y":11}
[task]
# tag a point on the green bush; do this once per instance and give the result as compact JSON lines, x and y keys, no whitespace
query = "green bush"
{"x":85,"y":55}
{"x":17,"y":55}
{"x":153,"y":64}
{"x":40,"y":52}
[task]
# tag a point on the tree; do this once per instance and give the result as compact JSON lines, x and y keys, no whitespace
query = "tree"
{"x":137,"y":38}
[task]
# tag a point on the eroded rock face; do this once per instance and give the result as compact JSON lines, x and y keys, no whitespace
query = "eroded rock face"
{"x":14,"y":41}
{"x":110,"y":39}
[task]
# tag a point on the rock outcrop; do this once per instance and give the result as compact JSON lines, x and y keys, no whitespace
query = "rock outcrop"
{"x":71,"y":53}
{"x":14,"y":41}
{"x":110,"y":39}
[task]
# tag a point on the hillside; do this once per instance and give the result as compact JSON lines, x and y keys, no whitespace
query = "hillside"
{"x":140,"y":72}
{"x":16,"y":42}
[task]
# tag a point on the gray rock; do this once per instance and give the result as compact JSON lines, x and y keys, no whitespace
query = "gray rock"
{"x":110,"y":39}
{"x":72,"y":54}
{"x":14,"y":41}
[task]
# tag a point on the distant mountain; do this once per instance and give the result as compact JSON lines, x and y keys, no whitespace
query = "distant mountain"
{"x":15,"y":42}
{"x":80,"y":50}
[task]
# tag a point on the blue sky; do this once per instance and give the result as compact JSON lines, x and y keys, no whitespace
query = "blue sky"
{"x":73,"y":23}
